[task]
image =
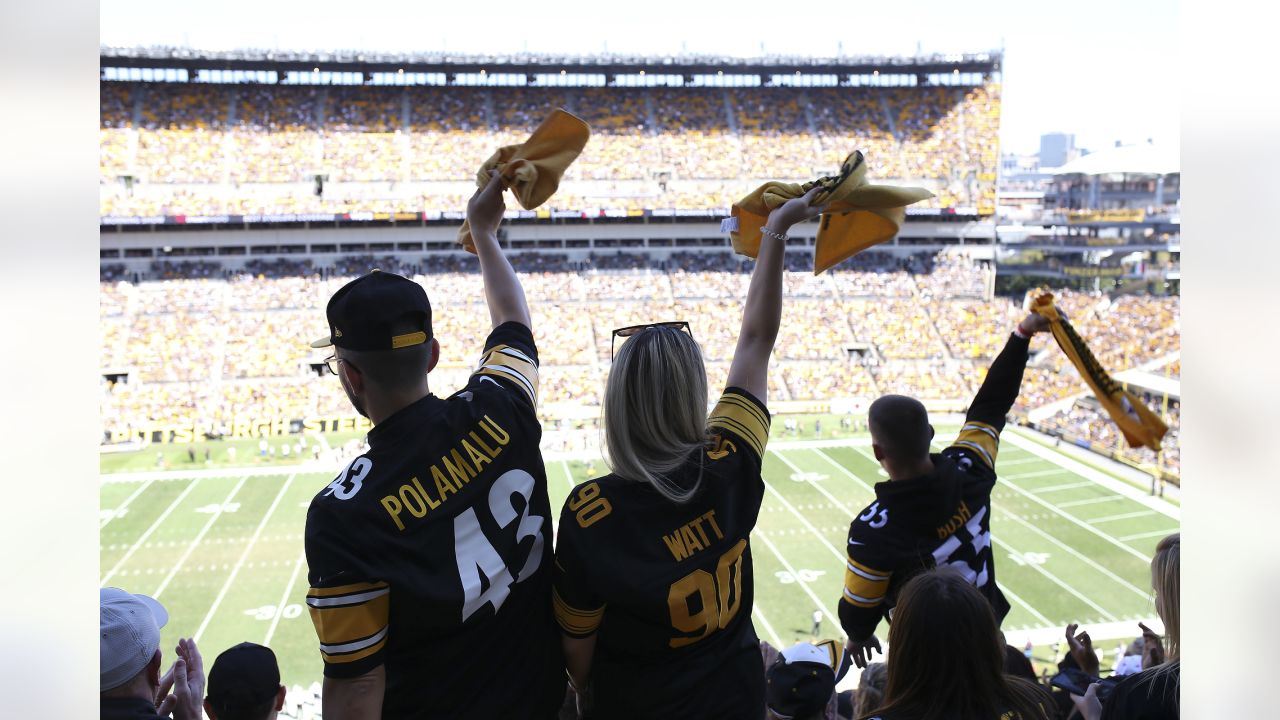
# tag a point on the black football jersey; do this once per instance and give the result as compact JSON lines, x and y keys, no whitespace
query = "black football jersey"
{"x":431,"y":554}
{"x":943,"y":518}
{"x":666,"y":587}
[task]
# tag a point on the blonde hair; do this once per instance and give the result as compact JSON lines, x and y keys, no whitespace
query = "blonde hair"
{"x":1165,"y":581}
{"x":655,"y":409}
{"x":1167,"y":585}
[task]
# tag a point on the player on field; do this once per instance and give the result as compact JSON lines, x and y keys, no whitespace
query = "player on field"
{"x":429,"y":556}
{"x":935,"y":509}
{"x":653,"y":583}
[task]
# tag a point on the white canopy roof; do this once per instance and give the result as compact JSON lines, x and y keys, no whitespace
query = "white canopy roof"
{"x":1133,"y":159}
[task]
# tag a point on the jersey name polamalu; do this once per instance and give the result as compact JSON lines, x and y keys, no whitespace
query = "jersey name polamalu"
{"x":668,"y":588}
{"x":431,"y":554}
{"x":943,"y":518}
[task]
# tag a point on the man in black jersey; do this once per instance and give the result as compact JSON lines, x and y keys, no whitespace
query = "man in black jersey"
{"x":429,"y":556}
{"x":935,"y":509}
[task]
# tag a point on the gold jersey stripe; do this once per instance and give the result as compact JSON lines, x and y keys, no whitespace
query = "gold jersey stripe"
{"x":981,"y":438}
{"x":869,"y":590}
{"x":573,"y":620}
{"x":870,"y":570}
{"x":744,"y":418}
{"x":738,"y":428}
{"x":351,"y":589}
{"x":339,"y":659}
{"x":857,"y":601}
{"x":339,"y":625}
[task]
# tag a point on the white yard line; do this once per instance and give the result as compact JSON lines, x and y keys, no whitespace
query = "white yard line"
{"x":1078,"y":522}
{"x":284,"y":599}
{"x":804,"y":521}
{"x":178,"y":500}
{"x":795,"y":468}
{"x":1024,"y":604}
{"x":311,"y":466}
{"x":240,"y":563}
{"x":799,"y":581}
{"x":1091,"y":501}
{"x":1079,"y":556}
{"x":759,"y":615}
{"x":568,"y":475}
{"x":1123,"y":516}
{"x":213,"y":517}
{"x":1002,"y":464}
{"x":124,"y":505}
{"x":1084,"y":471}
{"x":1054,"y":488}
{"x":844,"y":470}
{"x":1042,"y":473}
{"x":1056,"y":581}
{"x":1150,"y":534}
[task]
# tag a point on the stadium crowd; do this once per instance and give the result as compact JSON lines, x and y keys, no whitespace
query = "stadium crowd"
{"x":914,"y":325}
{"x":251,"y":149}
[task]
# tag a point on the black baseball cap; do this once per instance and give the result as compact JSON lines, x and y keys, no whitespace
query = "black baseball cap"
{"x":800,"y":682}
{"x":362,"y":313}
{"x":242,"y":679}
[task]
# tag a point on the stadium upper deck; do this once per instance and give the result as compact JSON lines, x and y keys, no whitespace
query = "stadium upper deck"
{"x":255,"y":134}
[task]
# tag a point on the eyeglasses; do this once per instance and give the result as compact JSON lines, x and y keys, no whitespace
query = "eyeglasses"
{"x":332,"y":361}
{"x":626,"y":332}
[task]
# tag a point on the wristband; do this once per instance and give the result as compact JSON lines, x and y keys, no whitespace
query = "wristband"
{"x":1017,"y":330}
{"x":773,"y":234}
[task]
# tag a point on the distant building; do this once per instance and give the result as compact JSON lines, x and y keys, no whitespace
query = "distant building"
{"x":1057,"y":149}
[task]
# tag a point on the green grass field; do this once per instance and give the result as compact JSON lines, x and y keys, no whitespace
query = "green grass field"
{"x":222,"y":548}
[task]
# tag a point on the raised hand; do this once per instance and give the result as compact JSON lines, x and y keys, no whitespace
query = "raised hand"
{"x":1152,"y":648}
{"x":861,"y":651}
{"x":1082,"y":650}
{"x":1034,"y":323}
{"x":485,"y":209}
{"x":795,"y":210}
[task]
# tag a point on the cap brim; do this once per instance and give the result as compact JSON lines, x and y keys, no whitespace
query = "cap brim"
{"x":325,"y":341}
{"x":157,"y":610}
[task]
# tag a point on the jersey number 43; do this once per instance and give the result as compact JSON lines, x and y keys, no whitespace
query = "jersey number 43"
{"x":479,"y":563}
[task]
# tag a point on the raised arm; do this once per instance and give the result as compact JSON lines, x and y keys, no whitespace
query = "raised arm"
{"x":980,"y":434}
{"x":763,"y":310}
{"x":1000,"y":388}
{"x":502,"y":290}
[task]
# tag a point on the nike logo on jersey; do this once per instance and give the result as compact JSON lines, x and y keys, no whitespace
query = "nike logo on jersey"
{"x":855,"y":542}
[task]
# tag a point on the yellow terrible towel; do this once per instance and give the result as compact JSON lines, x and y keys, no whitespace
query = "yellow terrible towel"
{"x":1140,"y":426}
{"x":860,"y":214}
{"x":532,"y":170}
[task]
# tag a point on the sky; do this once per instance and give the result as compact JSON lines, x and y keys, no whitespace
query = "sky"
{"x":1102,"y":69}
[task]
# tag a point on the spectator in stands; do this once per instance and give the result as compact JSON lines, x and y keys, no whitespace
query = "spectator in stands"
{"x":946,"y":659}
{"x":1153,"y":693}
{"x":129,"y":662}
{"x":680,"y":642}
{"x":418,"y":611}
{"x":244,"y":684}
{"x":800,"y":682}
{"x":935,"y":508}
{"x":870,"y":692}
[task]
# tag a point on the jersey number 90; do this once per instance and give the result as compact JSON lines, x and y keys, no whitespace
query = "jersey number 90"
{"x":700,"y":604}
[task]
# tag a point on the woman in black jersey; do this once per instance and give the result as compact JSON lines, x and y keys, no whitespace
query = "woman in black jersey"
{"x":653,"y":588}
{"x":1153,"y":693}
{"x":946,"y":659}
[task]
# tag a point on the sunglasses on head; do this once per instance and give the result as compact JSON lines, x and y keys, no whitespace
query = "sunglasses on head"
{"x":626,"y":332}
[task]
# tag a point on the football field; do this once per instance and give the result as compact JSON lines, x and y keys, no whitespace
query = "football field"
{"x":222,"y":548}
